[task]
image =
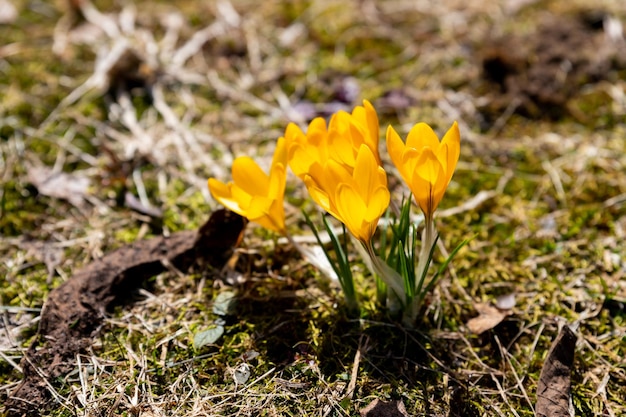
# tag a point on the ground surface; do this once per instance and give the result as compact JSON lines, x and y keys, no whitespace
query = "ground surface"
{"x":113,"y":115}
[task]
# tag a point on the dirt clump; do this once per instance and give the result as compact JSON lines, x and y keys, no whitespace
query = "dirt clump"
{"x":73,"y":312}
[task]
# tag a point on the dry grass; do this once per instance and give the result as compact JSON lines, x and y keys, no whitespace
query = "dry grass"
{"x":152,"y":99}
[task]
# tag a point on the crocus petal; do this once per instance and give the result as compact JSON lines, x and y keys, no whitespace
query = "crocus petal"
{"x":377,"y":204}
{"x":366,"y":171}
{"x":333,"y":174}
{"x":422,"y":135}
{"x":351,"y":210}
{"x":340,"y":140}
{"x":274,"y":220}
{"x":452,"y":139}
{"x":305,"y":150}
{"x":259,"y":207}
{"x":240,"y":196}
{"x":277,"y":214}
{"x":280,"y":153}
{"x":363,"y":197}
{"x":428,"y":166}
{"x":395,"y":147}
{"x":359,"y":135}
{"x":254,"y":194}
{"x":408,"y":166}
{"x":320,"y":196}
{"x":249,"y":176}
{"x":367,"y":117}
{"x":223,"y":193}
{"x":293,"y":133}
{"x":317,"y":132}
{"x":277,"y":182}
{"x":278,"y":171}
{"x":300,"y":160}
{"x":431,"y":176}
{"x":267,"y":212}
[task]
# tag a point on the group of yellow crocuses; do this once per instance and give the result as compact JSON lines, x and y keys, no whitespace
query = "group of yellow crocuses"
{"x":340,"y":165}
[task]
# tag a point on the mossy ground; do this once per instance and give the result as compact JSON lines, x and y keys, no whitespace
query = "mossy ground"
{"x":552,"y":232}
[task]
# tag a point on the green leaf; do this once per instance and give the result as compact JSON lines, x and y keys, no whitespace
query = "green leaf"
{"x":345,"y":275}
{"x":442,"y":268}
{"x":208,"y":337}
{"x":224,"y":303}
{"x":341,"y":264}
{"x":420,"y":284}
{"x":319,"y":242}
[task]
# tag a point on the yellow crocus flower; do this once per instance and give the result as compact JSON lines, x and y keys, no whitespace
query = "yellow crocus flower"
{"x":348,"y":131}
{"x":339,"y":140}
{"x":321,"y":181}
{"x":362,"y":199}
{"x":356,"y":198}
{"x":366,"y":117}
{"x":426,"y":164}
{"x":254,"y":194}
{"x":305,"y":150}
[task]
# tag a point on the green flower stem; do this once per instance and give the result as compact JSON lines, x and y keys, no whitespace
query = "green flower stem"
{"x":391,"y":278}
{"x":429,"y":238}
{"x":429,"y":234}
{"x":337,"y":268}
{"x":384,"y":295}
{"x":382,"y":292}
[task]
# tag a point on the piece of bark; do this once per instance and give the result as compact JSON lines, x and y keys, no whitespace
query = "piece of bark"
{"x":73,"y":312}
{"x":554,"y":387}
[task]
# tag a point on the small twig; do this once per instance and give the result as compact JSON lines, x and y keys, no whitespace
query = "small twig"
{"x":98,"y":80}
{"x":556,"y":181}
{"x":615,"y":201}
{"x":468,"y":205}
{"x":355,"y":368}
{"x":506,"y":356}
{"x":196,"y":43}
{"x":242,"y":96}
{"x":11,"y":362}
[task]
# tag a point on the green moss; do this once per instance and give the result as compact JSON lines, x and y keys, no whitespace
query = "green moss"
{"x":22,"y":210}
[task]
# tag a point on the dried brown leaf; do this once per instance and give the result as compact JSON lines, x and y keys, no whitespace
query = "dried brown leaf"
{"x":488,"y":318}
{"x":553,"y":389}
